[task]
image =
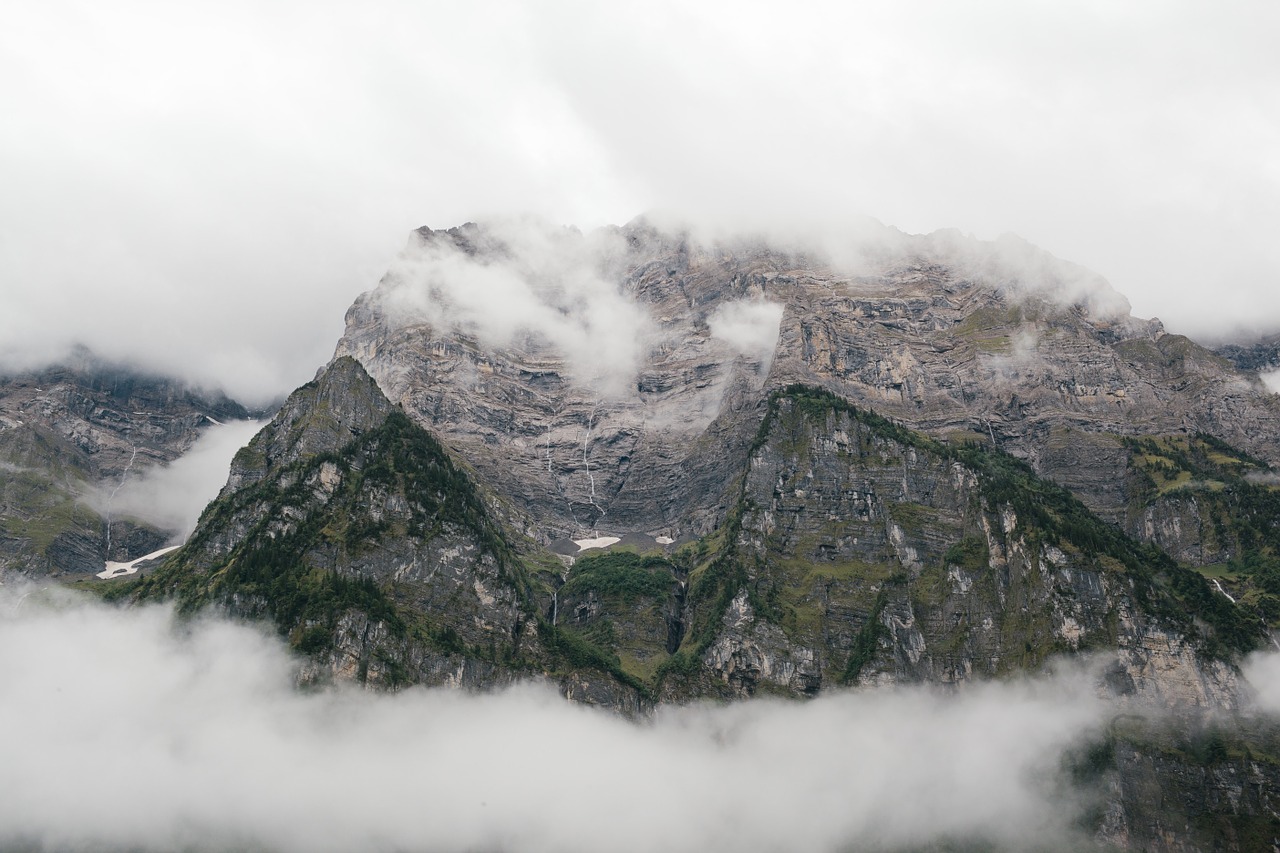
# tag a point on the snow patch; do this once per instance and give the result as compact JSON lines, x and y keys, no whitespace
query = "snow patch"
{"x":115,"y":570}
{"x":598,"y":542}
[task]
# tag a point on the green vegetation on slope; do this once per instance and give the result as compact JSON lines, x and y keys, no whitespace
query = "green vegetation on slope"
{"x":338,"y":507}
{"x":621,"y":574}
{"x":1239,"y":498}
{"x":621,"y":603}
{"x":1049,"y":514}
{"x":280,"y":575}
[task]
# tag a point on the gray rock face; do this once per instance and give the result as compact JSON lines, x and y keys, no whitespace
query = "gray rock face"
{"x":66,"y":432}
{"x":323,"y":417}
{"x":352,"y":530}
{"x":947,"y":335}
{"x":638,"y":445}
{"x":1191,"y":794}
{"x":1261,"y":355}
{"x":867,"y":560}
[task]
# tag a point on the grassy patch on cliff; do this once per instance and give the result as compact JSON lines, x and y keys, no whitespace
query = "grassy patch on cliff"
{"x":573,"y":650}
{"x":1234,"y":493}
{"x":629,"y":597}
{"x":970,"y":554}
{"x":620,"y":574}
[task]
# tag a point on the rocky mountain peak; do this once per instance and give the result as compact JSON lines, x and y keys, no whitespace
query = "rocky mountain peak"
{"x":585,"y":374}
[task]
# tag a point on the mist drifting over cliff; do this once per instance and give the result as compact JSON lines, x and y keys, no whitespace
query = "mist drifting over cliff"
{"x":172,"y":496}
{"x":167,"y":735}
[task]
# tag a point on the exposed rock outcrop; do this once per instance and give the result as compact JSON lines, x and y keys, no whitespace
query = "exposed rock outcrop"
{"x":82,"y":428}
{"x":351,"y":528}
{"x":943,"y":333}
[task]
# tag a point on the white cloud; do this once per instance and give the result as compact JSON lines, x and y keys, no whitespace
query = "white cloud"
{"x":194,"y":736}
{"x":749,"y":328}
{"x":1262,"y":671}
{"x":172,"y":496}
{"x":546,"y":288}
{"x":206,"y":187}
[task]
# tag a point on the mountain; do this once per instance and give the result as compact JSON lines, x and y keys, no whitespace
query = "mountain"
{"x":653,"y":468}
{"x":72,"y":434}
{"x":956,"y":338}
{"x":1263,"y":354}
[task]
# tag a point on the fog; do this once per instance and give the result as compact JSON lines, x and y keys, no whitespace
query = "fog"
{"x":1262,"y":670}
{"x":1022,"y":358}
{"x":550,"y":291}
{"x":749,"y":328}
{"x":172,"y":496}
{"x":547,"y":289}
{"x":204,"y":188}
{"x":124,"y":728}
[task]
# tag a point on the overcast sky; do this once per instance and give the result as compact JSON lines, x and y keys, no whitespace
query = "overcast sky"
{"x":205,"y":187}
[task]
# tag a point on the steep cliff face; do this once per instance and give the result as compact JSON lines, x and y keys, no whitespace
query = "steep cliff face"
{"x":854,"y":551}
{"x":1204,"y":785}
{"x":631,"y":438}
{"x":645,"y":427}
{"x":69,"y":433}
{"x":864,"y":553}
{"x":1201,"y":500}
{"x":353,"y":531}
{"x":945,"y":334}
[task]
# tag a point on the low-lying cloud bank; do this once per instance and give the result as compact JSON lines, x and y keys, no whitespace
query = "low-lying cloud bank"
{"x":127,"y":729}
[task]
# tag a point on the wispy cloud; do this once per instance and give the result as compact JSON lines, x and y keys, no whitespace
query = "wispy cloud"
{"x":536,"y":287}
{"x":749,"y":328}
{"x":172,"y":496}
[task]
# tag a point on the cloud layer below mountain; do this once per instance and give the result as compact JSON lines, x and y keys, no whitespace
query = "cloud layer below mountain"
{"x":128,"y":730}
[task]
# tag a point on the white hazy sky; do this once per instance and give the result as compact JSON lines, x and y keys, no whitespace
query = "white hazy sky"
{"x":205,"y":187}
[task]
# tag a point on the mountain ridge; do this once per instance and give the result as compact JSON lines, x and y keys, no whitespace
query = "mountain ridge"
{"x":913,"y":338}
{"x":71,"y":435}
{"x":940,"y":463}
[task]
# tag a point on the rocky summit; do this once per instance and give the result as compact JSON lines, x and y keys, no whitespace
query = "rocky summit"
{"x":635,"y":417}
{"x":651,"y":467}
